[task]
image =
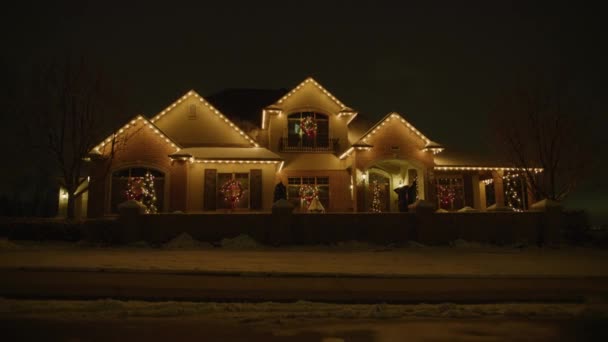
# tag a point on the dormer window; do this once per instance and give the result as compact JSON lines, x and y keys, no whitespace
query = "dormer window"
{"x":307,"y":131}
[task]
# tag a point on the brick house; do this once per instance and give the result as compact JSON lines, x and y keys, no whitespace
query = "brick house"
{"x":308,"y":140}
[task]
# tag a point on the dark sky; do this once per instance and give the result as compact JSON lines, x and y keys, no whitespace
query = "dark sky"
{"x":441,"y":64}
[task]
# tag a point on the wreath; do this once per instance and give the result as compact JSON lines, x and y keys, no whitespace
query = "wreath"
{"x":309,"y":126}
{"x":447,"y":194}
{"x":308,"y":193}
{"x":135,"y":189}
{"x":232,"y":191}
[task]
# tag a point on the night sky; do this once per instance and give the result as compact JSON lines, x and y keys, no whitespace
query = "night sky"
{"x":443,"y":65}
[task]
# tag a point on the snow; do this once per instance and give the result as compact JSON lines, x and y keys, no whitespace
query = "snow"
{"x":185,"y":241}
{"x":243,"y":254}
{"x":242,"y":241}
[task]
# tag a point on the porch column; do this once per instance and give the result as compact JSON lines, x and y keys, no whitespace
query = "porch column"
{"x":499,"y":192}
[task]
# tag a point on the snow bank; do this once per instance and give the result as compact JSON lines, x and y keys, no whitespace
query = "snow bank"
{"x":242,"y":241}
{"x":460,"y":243}
{"x":184,"y":241}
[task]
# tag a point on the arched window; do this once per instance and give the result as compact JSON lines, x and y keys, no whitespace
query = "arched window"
{"x":297,"y":137}
{"x":120,"y":185}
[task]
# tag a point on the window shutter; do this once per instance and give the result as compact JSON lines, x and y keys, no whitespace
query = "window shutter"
{"x":255,"y":188}
{"x":210,"y":189}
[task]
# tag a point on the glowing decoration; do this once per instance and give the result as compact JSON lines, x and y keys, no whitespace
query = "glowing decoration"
{"x":512,"y":183}
{"x":309,"y":126}
{"x":485,"y":168}
{"x":148,"y":193}
{"x":232,"y":191}
{"x":308,"y":193}
{"x":446,"y":195}
{"x":134,"y":189}
{"x":376,"y":197}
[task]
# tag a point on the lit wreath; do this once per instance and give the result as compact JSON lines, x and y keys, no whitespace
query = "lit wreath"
{"x":134,"y":189}
{"x":308,"y":193}
{"x":446,"y":194}
{"x":232,"y":191}
{"x":309,"y":126}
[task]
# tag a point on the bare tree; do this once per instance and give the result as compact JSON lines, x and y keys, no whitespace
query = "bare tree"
{"x":541,"y":125}
{"x":68,"y":106}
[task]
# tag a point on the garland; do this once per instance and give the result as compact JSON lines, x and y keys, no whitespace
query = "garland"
{"x":308,"y":193}
{"x":232,"y":191}
{"x":309,"y":126}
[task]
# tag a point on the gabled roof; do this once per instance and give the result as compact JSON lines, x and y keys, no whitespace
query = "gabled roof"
{"x":389,"y":117}
{"x":362,"y":142}
{"x":276,"y":107}
{"x":315,"y":83}
{"x":212,"y":108}
{"x":133,"y":122}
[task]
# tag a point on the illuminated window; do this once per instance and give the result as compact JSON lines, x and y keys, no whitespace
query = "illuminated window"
{"x":297,"y":137}
{"x":120,"y":182}
{"x":294,"y":185}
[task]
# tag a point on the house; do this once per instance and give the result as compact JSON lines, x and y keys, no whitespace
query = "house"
{"x":307,"y":139}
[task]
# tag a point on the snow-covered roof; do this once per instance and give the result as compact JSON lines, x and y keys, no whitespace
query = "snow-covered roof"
{"x":227,"y":153}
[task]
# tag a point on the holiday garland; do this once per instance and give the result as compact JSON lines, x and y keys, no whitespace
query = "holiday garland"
{"x":376,"y":197}
{"x":309,"y":126}
{"x":308,"y":192}
{"x":149,"y":193}
{"x":512,"y":197}
{"x":232,"y":191}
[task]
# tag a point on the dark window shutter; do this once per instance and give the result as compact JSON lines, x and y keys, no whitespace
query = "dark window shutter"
{"x":210,"y":189}
{"x":255,"y":188}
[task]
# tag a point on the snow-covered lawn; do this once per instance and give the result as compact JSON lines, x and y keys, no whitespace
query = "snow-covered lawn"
{"x":348,"y":258}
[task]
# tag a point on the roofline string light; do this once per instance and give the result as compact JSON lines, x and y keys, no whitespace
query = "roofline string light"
{"x":133,"y":123}
{"x":210,"y":107}
{"x":222,"y":161}
{"x":381,"y":124}
{"x":269,"y":111}
{"x":309,"y":80}
{"x":486,"y":168}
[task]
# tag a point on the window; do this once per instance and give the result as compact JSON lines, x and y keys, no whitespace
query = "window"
{"x":321,"y":184}
{"x":243,"y":179}
{"x":450,"y":193}
{"x":120,"y":182}
{"x":296,"y":137}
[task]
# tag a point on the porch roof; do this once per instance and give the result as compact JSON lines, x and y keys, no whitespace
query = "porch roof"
{"x":227,"y":153}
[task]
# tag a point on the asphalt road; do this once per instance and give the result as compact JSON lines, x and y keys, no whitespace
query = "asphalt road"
{"x":88,"y":284}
